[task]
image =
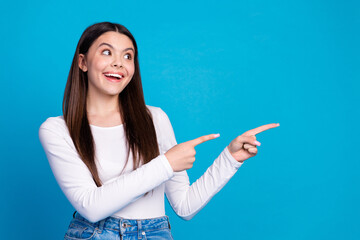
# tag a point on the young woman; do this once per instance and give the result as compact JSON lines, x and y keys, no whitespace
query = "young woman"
{"x":114,"y":157}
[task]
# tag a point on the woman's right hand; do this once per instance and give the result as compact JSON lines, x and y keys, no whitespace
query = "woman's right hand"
{"x":182,"y":156}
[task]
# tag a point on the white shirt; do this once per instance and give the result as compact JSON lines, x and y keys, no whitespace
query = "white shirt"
{"x":123,"y":191}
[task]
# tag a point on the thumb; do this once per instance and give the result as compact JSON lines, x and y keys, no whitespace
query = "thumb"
{"x":242,"y":139}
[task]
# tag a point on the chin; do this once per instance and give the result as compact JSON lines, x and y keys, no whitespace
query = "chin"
{"x":115,"y":93}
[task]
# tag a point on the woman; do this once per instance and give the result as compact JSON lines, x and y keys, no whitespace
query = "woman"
{"x":114,"y":157}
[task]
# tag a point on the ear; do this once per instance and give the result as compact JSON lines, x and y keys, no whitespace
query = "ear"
{"x":82,"y":62}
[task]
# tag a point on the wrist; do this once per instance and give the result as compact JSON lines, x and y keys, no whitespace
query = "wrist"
{"x":234,"y":156}
{"x":230,"y":158}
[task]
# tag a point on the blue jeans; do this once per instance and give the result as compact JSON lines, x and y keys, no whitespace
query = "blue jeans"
{"x":119,"y":228}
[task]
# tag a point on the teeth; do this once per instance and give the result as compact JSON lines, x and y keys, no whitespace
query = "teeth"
{"x":113,"y":75}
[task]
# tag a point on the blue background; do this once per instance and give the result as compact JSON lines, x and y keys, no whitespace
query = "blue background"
{"x":212,"y":66}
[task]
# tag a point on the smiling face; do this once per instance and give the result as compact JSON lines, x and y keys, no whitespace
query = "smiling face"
{"x":109,"y":64}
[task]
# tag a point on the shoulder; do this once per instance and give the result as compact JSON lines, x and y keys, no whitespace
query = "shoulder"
{"x":55,"y":125}
{"x":160,"y":119}
{"x":54,"y":132}
{"x":158,"y":115}
{"x":163,"y":127}
{"x":154,"y":110}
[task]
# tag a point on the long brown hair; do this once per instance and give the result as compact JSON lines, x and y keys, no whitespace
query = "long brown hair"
{"x":137,"y":120}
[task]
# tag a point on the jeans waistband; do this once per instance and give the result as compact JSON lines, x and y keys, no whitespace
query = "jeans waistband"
{"x":128,"y":225}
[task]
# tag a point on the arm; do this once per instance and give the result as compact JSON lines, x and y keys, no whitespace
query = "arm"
{"x":74,"y":178}
{"x":188,"y":200}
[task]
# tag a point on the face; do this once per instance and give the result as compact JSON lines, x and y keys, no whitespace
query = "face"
{"x":109,"y":64}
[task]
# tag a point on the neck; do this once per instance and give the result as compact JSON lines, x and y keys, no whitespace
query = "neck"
{"x":102,"y":105}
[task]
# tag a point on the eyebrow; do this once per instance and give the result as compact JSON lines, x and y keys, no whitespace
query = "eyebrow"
{"x":109,"y":45}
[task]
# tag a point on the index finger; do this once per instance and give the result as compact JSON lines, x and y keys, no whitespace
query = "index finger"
{"x":203,"y":139}
{"x":262,"y":128}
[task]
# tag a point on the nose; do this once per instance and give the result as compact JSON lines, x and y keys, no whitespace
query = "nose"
{"x":117,"y":62}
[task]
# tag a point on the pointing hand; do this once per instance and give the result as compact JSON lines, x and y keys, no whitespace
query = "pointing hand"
{"x":244,"y":146}
{"x":182,"y":156}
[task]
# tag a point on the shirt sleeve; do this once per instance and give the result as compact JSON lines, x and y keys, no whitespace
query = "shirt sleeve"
{"x":187,"y":200}
{"x":75,"y":180}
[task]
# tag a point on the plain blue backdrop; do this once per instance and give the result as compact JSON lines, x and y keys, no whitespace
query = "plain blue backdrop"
{"x":212,"y":66}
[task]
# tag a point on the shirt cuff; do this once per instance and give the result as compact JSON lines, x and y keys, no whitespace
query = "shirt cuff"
{"x":167,"y":167}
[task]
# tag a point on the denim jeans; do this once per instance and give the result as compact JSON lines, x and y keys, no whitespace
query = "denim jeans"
{"x":119,"y":228}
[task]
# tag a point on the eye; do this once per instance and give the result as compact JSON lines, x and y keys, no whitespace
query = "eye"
{"x":106,"y":52}
{"x":128,"y":56}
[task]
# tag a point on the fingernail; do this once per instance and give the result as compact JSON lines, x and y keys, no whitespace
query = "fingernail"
{"x":278,"y":124}
{"x":257,"y":143}
{"x":216,"y":135}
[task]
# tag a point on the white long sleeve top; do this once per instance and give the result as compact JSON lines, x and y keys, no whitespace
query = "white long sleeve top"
{"x":123,"y":191}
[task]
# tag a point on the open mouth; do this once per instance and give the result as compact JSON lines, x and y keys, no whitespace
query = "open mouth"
{"x":113,"y":76}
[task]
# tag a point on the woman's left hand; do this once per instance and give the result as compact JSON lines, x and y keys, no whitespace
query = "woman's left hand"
{"x":244,"y":146}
